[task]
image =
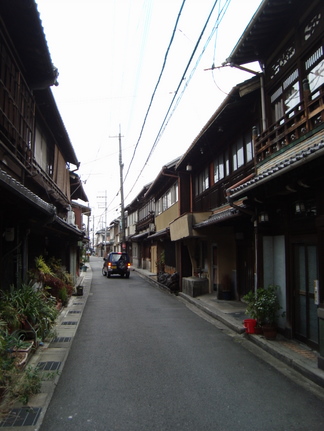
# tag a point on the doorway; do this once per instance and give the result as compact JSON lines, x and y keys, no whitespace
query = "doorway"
{"x":245,"y":267}
{"x":215,"y":268}
{"x":305,"y":272}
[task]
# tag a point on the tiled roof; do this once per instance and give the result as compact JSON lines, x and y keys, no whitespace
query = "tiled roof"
{"x":10,"y":183}
{"x":215,"y":218}
{"x":27,"y":195}
{"x":280,"y":168}
{"x":159,"y":233}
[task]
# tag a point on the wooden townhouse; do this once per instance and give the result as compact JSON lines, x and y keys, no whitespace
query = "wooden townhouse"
{"x":286,"y":192}
{"x":114,"y":243}
{"x":140,"y":221}
{"x":254,"y":214}
{"x":164,"y":192}
{"x":148,"y":217}
{"x":102,"y":242}
{"x":214,"y":240}
{"x":38,"y":164}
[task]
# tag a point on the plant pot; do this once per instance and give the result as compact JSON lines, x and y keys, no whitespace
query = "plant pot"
{"x":258,"y":330}
{"x":269,"y":332}
{"x":25,"y":347}
{"x":20,"y":358}
{"x":250,"y":325}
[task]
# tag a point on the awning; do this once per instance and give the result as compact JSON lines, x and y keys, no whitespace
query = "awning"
{"x":67,"y":226}
{"x":227,"y":214}
{"x":163,"y":232}
{"x":15,"y":187}
{"x":140,"y":236}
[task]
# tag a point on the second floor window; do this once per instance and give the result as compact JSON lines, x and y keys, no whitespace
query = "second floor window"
{"x":314,"y":66}
{"x":238,"y":154}
{"x":286,"y":97}
{"x":202,"y":181}
{"x":167,"y":200}
{"x":132,"y":218}
{"x":242,"y":151}
{"x":146,"y":210}
{"x":219,"y":169}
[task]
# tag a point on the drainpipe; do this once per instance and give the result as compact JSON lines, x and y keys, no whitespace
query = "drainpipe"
{"x":263,"y":110}
{"x":191,"y":191}
{"x":256,"y":260}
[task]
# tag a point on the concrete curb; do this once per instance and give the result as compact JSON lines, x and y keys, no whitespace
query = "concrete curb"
{"x":295,"y":361}
{"x":228,"y":321}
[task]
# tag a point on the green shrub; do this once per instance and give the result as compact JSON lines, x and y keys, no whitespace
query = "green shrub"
{"x":263,"y":305}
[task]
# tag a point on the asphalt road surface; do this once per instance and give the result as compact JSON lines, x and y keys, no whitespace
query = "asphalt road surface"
{"x":143,"y":361}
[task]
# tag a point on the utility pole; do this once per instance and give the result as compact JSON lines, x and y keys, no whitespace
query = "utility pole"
{"x":93,"y":233}
{"x":105,"y":223}
{"x":121,"y":167}
{"x":122,"y":215}
{"x":105,"y":206}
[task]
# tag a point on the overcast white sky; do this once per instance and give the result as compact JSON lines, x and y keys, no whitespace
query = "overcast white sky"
{"x":109,"y":54}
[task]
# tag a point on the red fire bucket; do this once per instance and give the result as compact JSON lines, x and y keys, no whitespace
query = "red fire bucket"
{"x":250,"y":324}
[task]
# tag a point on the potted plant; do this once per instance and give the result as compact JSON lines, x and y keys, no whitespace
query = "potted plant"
{"x":253,"y":312}
{"x":35,"y":308}
{"x":53,"y":277}
{"x":268,"y":302}
{"x":263,"y":305}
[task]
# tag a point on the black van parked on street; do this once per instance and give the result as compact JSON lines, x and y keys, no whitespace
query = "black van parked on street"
{"x":116,"y":263}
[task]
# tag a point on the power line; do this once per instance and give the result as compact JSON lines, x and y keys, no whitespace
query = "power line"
{"x":175,"y":94}
{"x":218,"y":21}
{"x":156,"y":86}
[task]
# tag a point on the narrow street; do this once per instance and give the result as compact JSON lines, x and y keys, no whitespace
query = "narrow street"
{"x":142,"y":360}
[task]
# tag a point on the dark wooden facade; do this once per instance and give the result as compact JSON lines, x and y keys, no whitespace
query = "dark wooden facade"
{"x":36,"y":178}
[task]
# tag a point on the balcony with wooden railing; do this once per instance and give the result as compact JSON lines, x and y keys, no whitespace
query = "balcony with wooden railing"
{"x":291,"y":131}
{"x":145,"y":222}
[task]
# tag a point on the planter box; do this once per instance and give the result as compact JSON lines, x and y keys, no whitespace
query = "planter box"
{"x":194,"y":286}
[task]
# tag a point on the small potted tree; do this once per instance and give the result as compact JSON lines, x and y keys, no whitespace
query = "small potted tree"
{"x":268,"y":302}
{"x":263,"y":305}
{"x":253,"y":312}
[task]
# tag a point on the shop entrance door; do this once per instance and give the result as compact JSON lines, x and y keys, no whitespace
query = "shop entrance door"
{"x":305,"y":273}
